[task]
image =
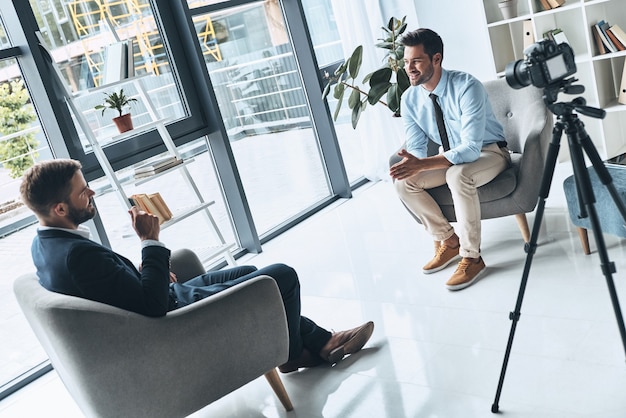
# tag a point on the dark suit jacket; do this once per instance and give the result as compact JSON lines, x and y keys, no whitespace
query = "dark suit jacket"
{"x":70,"y":264}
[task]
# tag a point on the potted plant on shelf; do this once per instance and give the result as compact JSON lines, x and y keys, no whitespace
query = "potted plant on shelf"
{"x":381,"y":83}
{"x":508,"y":8}
{"x":118,"y":101}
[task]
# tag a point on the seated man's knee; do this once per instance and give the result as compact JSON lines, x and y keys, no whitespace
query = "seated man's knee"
{"x":456,"y":177}
{"x":284,"y":275}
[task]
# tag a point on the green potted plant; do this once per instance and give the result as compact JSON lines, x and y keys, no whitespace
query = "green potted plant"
{"x":390,"y":80}
{"x":118,"y":101}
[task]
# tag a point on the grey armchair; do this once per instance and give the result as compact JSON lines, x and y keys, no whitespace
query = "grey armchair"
{"x":527,"y":130}
{"x":117,"y":363}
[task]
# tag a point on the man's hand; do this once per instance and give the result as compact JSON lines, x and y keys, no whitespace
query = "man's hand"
{"x":410,"y":165}
{"x":145,"y":224}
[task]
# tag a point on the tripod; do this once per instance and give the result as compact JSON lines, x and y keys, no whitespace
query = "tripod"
{"x":578,"y":141}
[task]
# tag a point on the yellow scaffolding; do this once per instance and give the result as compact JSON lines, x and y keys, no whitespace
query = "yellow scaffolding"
{"x":129,"y":19}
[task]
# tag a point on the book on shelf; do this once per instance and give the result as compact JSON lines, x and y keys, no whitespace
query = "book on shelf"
{"x":545,"y":4}
{"x":152,"y":204}
{"x":618,"y":33}
{"x":529,"y":35}
{"x":157,"y":166}
{"x":557,"y":35}
{"x":556,"y":3}
{"x":621,"y":96}
{"x":603,"y":26}
{"x":620,"y":46}
{"x":118,"y":61}
{"x":598,"y":39}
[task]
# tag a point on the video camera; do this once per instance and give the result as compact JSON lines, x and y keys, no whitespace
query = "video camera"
{"x":546,"y":64}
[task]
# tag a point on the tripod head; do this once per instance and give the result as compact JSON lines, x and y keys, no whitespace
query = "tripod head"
{"x":567,"y":86}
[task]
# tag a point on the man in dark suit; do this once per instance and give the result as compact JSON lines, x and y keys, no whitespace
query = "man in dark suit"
{"x":68,"y":262}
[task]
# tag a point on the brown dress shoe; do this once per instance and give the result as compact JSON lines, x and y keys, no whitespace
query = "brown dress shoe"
{"x":306,"y":359}
{"x":346,"y":342}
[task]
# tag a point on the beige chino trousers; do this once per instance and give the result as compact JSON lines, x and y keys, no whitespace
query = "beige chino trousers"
{"x":462,"y":180}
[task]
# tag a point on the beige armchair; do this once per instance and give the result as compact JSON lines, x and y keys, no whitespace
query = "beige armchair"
{"x":527,"y":127}
{"x":117,"y":363}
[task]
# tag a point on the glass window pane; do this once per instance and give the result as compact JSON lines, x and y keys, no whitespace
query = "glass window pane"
{"x":366,"y":149}
{"x":257,"y":83}
{"x":22,"y":142}
{"x":196,"y":231}
{"x":83,"y":37}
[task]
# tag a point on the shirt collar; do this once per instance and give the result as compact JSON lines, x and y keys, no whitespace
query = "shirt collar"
{"x":440,"y":90}
{"x":82,"y":230}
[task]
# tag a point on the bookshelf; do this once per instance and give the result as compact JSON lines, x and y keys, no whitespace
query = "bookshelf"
{"x":120,"y":181}
{"x":601,"y":74}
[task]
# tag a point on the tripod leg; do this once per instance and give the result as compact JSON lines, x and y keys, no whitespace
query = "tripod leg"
{"x":601,"y":170}
{"x":530,"y":247}
{"x":583,"y":182}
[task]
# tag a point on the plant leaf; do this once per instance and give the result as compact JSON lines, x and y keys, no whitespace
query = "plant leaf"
{"x":403,"y":80}
{"x":356,"y":114}
{"x":377,"y":91}
{"x":393,"y":99}
{"x":338,"y":108}
{"x":355,"y":61}
{"x":339,"y":89}
{"x":385,"y":45}
{"x":382,"y":75}
{"x":354,"y":99}
{"x":326,"y":91}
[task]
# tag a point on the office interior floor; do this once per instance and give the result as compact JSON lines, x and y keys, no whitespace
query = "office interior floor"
{"x":434,"y":353}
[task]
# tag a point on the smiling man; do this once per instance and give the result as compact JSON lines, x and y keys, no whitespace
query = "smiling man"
{"x":452,"y":109}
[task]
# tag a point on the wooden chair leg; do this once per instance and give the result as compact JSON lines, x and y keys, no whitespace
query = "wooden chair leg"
{"x":522,"y":223}
{"x":584,"y":240}
{"x":279,"y":389}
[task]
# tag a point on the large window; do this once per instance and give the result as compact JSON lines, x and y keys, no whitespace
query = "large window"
{"x":238,"y":101}
{"x":21,"y":143}
{"x":265,"y":110}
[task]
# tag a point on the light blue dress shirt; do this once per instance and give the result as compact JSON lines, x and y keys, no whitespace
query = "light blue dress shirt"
{"x":467,"y":113}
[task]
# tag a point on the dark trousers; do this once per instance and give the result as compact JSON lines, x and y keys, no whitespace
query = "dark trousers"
{"x":303,"y":333}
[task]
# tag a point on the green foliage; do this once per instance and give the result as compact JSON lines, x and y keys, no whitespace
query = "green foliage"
{"x":16,"y":114}
{"x":389,"y":81}
{"x":115,"y":101}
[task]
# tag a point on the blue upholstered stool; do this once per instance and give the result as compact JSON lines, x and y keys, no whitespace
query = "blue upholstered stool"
{"x":611,"y":220}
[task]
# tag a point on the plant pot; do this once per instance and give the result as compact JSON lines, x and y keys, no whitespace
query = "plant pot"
{"x":508,"y":9}
{"x":124,"y":123}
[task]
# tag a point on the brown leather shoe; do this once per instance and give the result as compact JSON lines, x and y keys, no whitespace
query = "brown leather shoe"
{"x":346,"y":342}
{"x":306,"y":359}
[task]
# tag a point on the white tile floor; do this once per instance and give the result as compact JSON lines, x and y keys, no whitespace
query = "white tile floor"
{"x":434,"y":353}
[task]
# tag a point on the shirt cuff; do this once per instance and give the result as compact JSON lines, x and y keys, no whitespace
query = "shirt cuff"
{"x":151,"y":242}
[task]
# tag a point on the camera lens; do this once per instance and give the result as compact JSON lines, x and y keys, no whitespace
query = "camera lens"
{"x":517,"y":74}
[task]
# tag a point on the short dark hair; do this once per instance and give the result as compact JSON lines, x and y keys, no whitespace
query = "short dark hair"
{"x":430,"y":39}
{"x":47,"y":183}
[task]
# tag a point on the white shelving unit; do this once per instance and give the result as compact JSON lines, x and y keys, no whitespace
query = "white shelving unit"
{"x":600,"y":74}
{"x":200,"y":208}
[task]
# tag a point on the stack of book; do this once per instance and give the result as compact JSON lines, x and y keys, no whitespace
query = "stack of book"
{"x":608,"y":38}
{"x":551,"y":4}
{"x":556,"y":35}
{"x":119,"y":61}
{"x":152,"y":203}
{"x":154,"y":167}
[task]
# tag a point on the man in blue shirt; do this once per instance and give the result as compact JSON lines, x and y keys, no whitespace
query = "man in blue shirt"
{"x":472,"y":153}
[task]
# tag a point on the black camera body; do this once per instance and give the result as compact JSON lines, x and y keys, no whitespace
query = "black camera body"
{"x":547,"y":63}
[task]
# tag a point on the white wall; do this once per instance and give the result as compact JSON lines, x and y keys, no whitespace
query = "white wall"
{"x":462,"y":26}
